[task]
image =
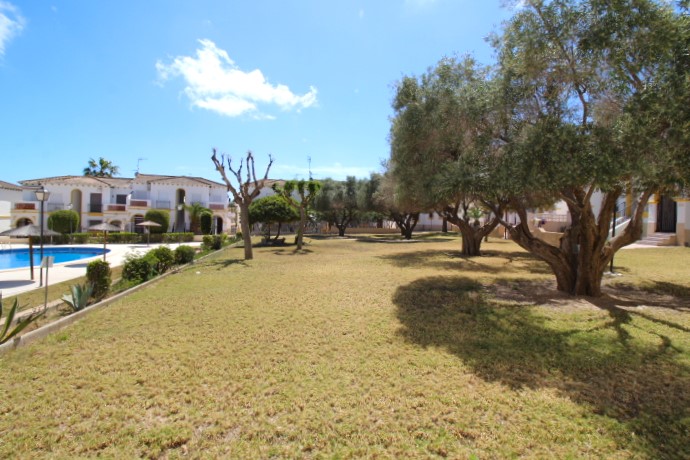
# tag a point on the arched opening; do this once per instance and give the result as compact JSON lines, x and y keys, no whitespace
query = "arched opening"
{"x":137,"y":219}
{"x":181,"y":198}
{"x":116,"y":223}
{"x":217,"y":225}
{"x":75,"y":202}
{"x":23,"y":222}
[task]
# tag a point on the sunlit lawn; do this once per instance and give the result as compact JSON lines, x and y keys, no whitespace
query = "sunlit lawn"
{"x":364,"y":348}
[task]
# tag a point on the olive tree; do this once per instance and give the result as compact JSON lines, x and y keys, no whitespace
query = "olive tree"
{"x":592,"y":90}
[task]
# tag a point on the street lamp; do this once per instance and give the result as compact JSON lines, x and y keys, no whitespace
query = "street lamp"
{"x":42,"y":195}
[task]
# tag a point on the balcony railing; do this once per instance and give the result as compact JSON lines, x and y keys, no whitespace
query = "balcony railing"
{"x":216,"y":206}
{"x":95,"y":207}
{"x":162,"y":204}
{"x":25,"y":206}
{"x":117,"y":207}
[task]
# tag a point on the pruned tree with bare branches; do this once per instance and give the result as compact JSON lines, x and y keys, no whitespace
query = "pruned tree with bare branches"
{"x":244,"y":192}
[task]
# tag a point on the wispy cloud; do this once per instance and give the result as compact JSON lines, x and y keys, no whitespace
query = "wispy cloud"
{"x":335,"y":171}
{"x":11,"y":24}
{"x":214,"y":82}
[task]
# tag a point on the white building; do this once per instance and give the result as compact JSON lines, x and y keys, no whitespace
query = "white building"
{"x":9,"y":194}
{"x":123,"y":202}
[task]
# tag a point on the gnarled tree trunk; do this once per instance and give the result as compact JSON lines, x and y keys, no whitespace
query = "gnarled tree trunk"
{"x":584,"y":252}
{"x":472,"y":235}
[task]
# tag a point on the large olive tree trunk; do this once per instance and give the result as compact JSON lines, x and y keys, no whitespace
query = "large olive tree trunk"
{"x":472,"y":235}
{"x":585,"y":250}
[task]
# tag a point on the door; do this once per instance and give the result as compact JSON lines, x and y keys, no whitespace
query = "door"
{"x":666,"y":215}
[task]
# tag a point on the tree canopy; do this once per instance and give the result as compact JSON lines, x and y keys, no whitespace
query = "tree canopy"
{"x":588,"y":100}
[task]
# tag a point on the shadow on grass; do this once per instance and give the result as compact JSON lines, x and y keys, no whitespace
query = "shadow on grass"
{"x":224,"y":263}
{"x":658,"y":287}
{"x":292,"y":252}
{"x":639,"y":384}
{"x":490,"y":262}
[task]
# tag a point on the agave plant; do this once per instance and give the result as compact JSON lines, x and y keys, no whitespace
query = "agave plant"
{"x":79,"y":296}
{"x":6,"y":334}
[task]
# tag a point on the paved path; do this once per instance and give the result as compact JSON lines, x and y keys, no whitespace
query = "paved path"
{"x":18,"y":280}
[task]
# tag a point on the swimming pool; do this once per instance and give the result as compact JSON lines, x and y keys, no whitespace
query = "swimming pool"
{"x":19,"y":258}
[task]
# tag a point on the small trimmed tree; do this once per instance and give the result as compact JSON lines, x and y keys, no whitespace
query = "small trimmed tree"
{"x":272,"y":210}
{"x":159,"y":216}
{"x":300,"y":194}
{"x":64,"y":221}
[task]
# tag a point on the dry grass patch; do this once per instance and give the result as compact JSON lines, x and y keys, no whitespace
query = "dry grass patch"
{"x":353,"y":348}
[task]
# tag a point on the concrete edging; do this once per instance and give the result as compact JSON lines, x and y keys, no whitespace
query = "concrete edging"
{"x":62,"y":323}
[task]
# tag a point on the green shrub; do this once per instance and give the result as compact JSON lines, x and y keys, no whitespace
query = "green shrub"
{"x":80,"y":238}
{"x":206,"y":220}
{"x":213,"y":242}
{"x":159,"y":216}
{"x":177,"y":237}
{"x":124,"y":237}
{"x":78,"y":298}
{"x":166,"y":258}
{"x":184,"y":254}
{"x":139,"y":268}
{"x":64,"y":221}
{"x":98,"y":275}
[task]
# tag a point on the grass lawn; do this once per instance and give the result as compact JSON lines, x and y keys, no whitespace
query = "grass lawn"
{"x":365,"y":347}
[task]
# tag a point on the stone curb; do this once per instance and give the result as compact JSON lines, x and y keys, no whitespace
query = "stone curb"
{"x":62,"y":323}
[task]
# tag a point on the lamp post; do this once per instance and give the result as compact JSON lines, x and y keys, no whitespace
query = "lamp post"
{"x":42,"y":195}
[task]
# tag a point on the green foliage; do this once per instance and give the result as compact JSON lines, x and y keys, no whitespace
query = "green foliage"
{"x":166,"y":258}
{"x":8,"y":332}
{"x":124,"y":237}
{"x":196,"y":211}
{"x":101,"y":168}
{"x":184,"y":254}
{"x":337,"y":202}
{"x":79,"y":295}
{"x":139,"y":268}
{"x":159,"y":216}
{"x":206,"y":222}
{"x":306,"y":192}
{"x":98,"y":274}
{"x":80,"y":238}
{"x":273,"y":209}
{"x":175,"y":237}
{"x":64,"y":221}
{"x":213,"y":242}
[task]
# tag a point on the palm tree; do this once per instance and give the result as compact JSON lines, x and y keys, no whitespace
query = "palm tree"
{"x":195,"y":211}
{"x":101,"y":168}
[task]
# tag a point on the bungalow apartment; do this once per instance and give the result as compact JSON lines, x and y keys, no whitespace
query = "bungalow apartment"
{"x":123,"y":202}
{"x":9,"y":194}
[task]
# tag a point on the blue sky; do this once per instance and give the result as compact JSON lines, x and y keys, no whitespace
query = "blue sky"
{"x":168,"y":80}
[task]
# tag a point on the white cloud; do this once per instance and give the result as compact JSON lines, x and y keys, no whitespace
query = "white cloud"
{"x":216,"y":83}
{"x":336,"y":171}
{"x":11,"y":24}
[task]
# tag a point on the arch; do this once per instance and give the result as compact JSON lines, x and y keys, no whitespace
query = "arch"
{"x":180,"y":200}
{"x":116,"y":223}
{"x":24,"y":221}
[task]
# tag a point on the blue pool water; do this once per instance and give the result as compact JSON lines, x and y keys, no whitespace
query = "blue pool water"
{"x":18,"y":258}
